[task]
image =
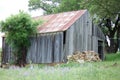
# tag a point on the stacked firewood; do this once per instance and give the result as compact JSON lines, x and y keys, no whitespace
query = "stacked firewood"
{"x":86,"y":56}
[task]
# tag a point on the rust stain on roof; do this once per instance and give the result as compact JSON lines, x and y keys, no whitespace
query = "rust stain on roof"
{"x":59,"y":22}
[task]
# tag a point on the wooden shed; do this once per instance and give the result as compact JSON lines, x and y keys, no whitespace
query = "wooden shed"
{"x":61,"y":35}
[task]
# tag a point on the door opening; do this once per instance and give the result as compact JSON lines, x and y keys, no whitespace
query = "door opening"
{"x":100,"y":49}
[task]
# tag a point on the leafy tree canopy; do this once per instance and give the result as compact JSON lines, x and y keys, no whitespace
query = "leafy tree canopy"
{"x":102,"y":8}
{"x":108,"y":17}
{"x":69,"y":5}
{"x":18,"y":28}
{"x":49,"y":6}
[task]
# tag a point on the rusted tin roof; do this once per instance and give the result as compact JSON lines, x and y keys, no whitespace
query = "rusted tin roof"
{"x":59,"y":22}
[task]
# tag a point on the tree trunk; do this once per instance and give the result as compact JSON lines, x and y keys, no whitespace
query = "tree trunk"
{"x":113,"y":46}
{"x":21,"y":60}
{"x":113,"y":33}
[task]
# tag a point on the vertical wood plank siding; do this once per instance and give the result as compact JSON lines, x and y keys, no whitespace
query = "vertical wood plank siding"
{"x":7,"y":55}
{"x":78,"y":36}
{"x":46,"y":48}
{"x":81,"y":37}
{"x":97,"y":34}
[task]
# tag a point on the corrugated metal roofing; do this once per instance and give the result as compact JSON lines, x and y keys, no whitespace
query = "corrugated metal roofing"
{"x":59,"y":22}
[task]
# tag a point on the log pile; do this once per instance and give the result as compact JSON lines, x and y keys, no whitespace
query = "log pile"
{"x":86,"y":56}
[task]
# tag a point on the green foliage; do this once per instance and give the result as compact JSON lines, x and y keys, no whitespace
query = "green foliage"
{"x":56,"y":6}
{"x":69,"y":5}
{"x":18,"y":28}
{"x":113,"y":57}
{"x":44,"y":4}
{"x":0,"y":54}
{"x":102,"y":7}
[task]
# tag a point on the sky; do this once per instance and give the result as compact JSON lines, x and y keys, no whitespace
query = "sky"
{"x":9,"y":7}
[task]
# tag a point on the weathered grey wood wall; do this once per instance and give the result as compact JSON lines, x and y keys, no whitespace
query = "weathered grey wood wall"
{"x":97,"y":35}
{"x":78,"y":36}
{"x":83,"y":36}
{"x":46,"y":48}
{"x":7,"y":55}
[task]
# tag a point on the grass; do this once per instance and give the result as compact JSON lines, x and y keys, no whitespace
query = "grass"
{"x":0,"y":54}
{"x":105,"y":70}
{"x":113,"y":57}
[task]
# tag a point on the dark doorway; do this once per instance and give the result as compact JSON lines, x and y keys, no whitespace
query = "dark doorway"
{"x":64,"y":45}
{"x":100,"y":49}
{"x":64,"y":37}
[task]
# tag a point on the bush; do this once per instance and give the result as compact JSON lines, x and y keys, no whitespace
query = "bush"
{"x":18,"y":28}
{"x":113,"y":57}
